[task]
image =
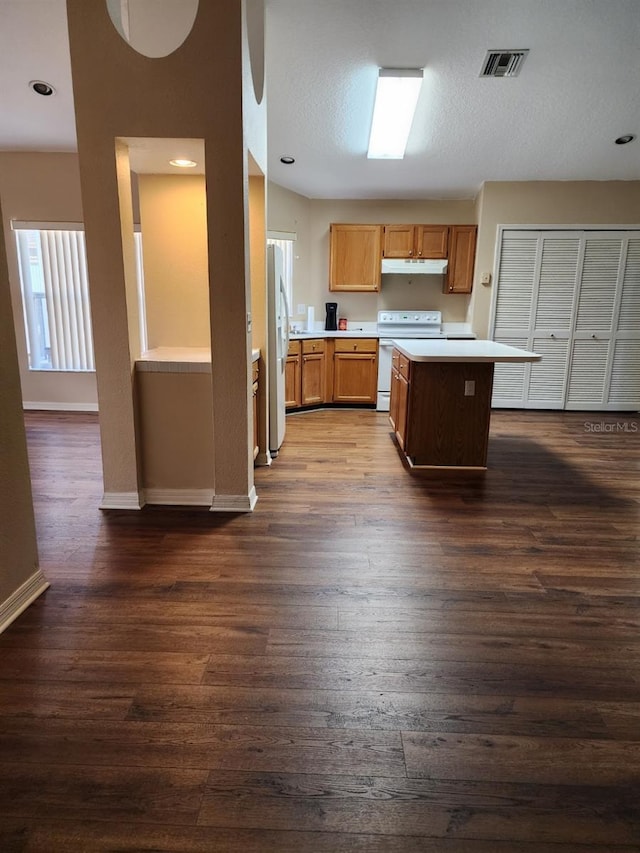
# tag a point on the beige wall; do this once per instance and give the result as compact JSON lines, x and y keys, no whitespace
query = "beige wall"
{"x":544,"y":203}
{"x":176,"y":427}
{"x":41,"y":187}
{"x":173,"y":220}
{"x":311,"y":218}
{"x":18,"y":549}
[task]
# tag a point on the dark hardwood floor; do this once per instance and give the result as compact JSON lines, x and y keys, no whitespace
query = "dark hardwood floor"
{"x":371,"y":661}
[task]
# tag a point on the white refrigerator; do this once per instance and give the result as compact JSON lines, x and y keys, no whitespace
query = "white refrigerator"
{"x":277,"y":346}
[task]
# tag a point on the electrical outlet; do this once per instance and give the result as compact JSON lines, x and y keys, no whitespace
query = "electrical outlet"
{"x":301,"y":308}
{"x":469,"y":388}
{"x":485,"y":278}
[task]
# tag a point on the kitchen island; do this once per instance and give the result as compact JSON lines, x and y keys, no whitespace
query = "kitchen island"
{"x":441,"y":399}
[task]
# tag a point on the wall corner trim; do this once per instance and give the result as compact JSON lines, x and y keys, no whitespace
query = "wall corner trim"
{"x":122,"y":500}
{"x":22,"y":598}
{"x":235,"y":503}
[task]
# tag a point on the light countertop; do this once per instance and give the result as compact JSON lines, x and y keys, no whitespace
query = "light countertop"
{"x":461,"y":350}
{"x":179,"y":360}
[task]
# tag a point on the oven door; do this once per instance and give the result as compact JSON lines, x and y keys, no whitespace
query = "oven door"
{"x":385,"y":349}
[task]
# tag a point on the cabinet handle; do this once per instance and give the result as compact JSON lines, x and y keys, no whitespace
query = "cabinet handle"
{"x":410,"y":252}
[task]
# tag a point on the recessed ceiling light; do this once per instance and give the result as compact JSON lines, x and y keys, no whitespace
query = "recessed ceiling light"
{"x":622,"y":140}
{"x":183,"y":163}
{"x":42,"y":88}
{"x":287,"y":160}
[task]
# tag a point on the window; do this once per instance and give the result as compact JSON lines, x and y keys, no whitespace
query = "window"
{"x":55,"y":298}
{"x":285,"y":241}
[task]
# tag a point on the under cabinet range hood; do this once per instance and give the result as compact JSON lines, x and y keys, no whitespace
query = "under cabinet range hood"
{"x":411,"y":266}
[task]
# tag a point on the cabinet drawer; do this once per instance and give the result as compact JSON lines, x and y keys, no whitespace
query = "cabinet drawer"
{"x":311,"y":346}
{"x":395,"y":359}
{"x":254,"y":371}
{"x":294,"y":348}
{"x":355,"y":345}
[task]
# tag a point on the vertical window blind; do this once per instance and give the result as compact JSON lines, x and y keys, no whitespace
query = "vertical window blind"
{"x":55,"y":293}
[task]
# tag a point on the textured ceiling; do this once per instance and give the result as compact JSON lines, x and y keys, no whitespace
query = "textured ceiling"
{"x":577,"y":91}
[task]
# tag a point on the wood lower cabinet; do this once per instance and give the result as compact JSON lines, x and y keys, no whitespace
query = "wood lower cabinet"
{"x":400,"y":378}
{"x":292,"y":373}
{"x":331,"y":370}
{"x":462,"y":256}
{"x":313,"y":379}
{"x":256,"y":440}
{"x":440,"y":411}
{"x":355,"y":370}
{"x":355,"y":257}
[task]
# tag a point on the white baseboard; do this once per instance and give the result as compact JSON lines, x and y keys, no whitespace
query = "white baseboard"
{"x":30,"y":405}
{"x":179,"y":497}
{"x":22,"y":598}
{"x":263,"y":459}
{"x":235,"y":503}
{"x":122,"y":500}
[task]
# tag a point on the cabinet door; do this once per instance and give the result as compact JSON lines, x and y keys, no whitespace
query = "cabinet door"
{"x":393,"y":399}
{"x":401,"y":416}
{"x":313,"y":379}
{"x":431,"y":241}
{"x":292,"y":388}
{"x":355,"y":377}
{"x":399,"y":241}
{"x":255,"y":420}
{"x":355,"y":257}
{"x":462,"y":256}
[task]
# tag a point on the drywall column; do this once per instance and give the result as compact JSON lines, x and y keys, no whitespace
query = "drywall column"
{"x":198,"y":91}
{"x":21,"y":581}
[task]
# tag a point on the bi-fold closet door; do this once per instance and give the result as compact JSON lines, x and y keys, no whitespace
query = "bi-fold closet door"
{"x":574,"y":298}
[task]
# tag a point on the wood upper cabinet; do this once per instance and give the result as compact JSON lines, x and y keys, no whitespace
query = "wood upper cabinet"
{"x":355,"y":370}
{"x":415,"y":241}
{"x":462,"y":256}
{"x":355,"y":257}
{"x":313,"y":372}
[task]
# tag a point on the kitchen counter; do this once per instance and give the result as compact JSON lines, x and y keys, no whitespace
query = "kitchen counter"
{"x":179,"y":360}
{"x":419,"y":350}
{"x":370,"y":330}
{"x":440,"y":407}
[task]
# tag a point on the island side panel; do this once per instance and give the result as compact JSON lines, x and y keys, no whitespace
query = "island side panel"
{"x":445,"y":426}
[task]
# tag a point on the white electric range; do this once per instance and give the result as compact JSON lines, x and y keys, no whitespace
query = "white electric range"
{"x":401,"y":324}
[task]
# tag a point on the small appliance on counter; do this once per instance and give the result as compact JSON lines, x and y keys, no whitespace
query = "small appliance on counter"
{"x":331,"y":322}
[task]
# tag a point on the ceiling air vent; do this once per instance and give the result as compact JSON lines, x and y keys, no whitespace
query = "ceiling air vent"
{"x":503,"y":63}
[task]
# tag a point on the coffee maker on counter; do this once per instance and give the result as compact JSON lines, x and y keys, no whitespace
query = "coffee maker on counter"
{"x":331,"y":322}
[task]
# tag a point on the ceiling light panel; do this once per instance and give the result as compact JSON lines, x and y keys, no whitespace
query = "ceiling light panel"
{"x":397,"y":95}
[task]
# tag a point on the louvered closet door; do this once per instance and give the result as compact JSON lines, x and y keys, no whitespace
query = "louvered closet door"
{"x":590,"y":351}
{"x":554,"y":306}
{"x":624,"y":383}
{"x":518,"y":269}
